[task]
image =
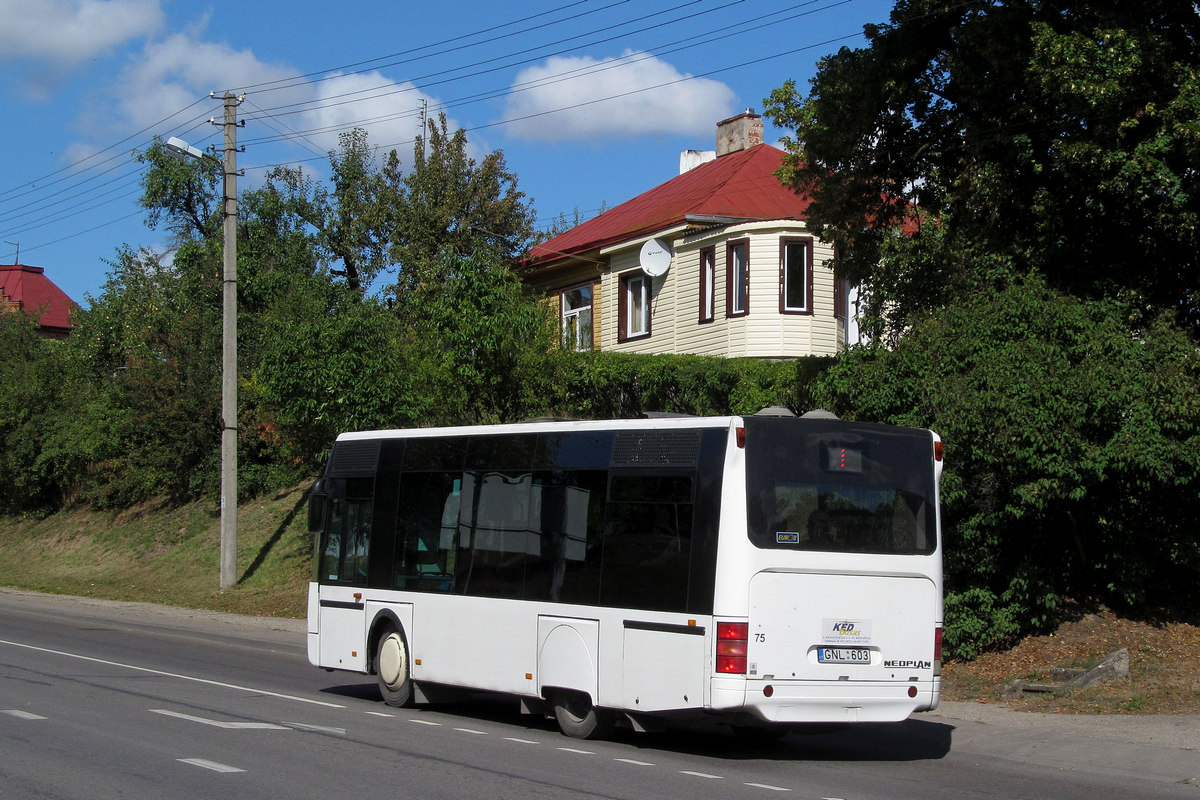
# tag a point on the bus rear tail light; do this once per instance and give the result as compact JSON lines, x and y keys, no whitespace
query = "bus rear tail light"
{"x":938,"y":450}
{"x":731,"y":647}
{"x":937,"y":650}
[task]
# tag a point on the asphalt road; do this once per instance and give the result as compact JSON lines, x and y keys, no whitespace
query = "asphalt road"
{"x":102,"y":700}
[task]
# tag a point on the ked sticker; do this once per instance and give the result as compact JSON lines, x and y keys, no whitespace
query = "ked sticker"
{"x":846,"y":631}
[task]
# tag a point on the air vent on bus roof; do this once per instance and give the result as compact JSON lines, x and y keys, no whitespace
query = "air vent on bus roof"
{"x":354,"y":458}
{"x":656,"y":448}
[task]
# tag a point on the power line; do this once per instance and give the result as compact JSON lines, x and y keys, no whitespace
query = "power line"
{"x":285,"y":132}
{"x":32,"y":187}
{"x":657,"y":52}
{"x":324,"y":102}
{"x":10,"y":192}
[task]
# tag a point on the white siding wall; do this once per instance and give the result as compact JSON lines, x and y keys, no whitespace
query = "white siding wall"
{"x":763,"y":333}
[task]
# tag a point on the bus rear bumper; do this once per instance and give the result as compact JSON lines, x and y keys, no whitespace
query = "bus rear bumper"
{"x":832,"y":701}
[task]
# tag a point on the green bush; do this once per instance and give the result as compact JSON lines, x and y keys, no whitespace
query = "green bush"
{"x":1072,"y":453}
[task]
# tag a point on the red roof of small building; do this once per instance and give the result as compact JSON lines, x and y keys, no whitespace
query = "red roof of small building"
{"x":739,"y":185}
{"x":36,"y":295}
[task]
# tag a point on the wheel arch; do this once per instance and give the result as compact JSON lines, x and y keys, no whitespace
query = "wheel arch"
{"x":384,"y":621}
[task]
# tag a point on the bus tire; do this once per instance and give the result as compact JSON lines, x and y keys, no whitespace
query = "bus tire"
{"x":392,"y":668}
{"x":578,"y":718}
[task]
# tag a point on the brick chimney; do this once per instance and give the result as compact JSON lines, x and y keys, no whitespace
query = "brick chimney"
{"x":739,"y":133}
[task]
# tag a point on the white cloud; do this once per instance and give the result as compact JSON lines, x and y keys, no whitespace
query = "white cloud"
{"x":158,"y":88}
{"x":634,"y":94}
{"x":173,"y":73}
{"x":388,"y":111}
{"x":65,"y":32}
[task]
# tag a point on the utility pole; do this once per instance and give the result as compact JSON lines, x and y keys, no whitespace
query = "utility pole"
{"x":229,"y":416}
{"x":424,"y":132}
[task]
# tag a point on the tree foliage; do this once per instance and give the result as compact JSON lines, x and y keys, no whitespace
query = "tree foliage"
{"x":151,"y":342}
{"x":452,"y":206}
{"x":349,"y":227}
{"x":1072,"y":452}
{"x":181,"y":192}
{"x":480,"y":338}
{"x":973,"y":141}
{"x":1013,"y":185}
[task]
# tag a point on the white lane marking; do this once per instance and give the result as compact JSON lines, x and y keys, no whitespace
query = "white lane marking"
{"x":700,"y":775}
{"x":213,"y":765}
{"x":304,"y":726}
{"x":580,"y":752}
{"x":379,"y":714}
{"x":635,"y":762}
{"x":233,"y":726}
{"x":520,"y":741}
{"x":12,"y":712}
{"x":425,"y":722}
{"x":176,"y":675}
{"x":473,"y":732}
{"x":769,"y":786}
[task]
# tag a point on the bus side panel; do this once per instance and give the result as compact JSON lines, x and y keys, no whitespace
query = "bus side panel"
{"x":480,"y":642}
{"x":568,"y":654}
{"x":665,"y":667}
{"x":314,"y":628}
{"x":342,"y":623}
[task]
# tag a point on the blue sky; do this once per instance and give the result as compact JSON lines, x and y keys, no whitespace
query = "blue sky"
{"x":590,"y":100}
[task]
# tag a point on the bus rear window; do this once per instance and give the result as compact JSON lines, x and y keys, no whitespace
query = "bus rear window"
{"x":826,"y":485}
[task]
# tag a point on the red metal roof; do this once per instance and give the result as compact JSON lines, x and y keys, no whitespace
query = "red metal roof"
{"x":36,"y":295}
{"x":740,"y":185}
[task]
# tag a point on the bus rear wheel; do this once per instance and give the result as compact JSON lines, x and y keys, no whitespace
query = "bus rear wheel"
{"x":578,"y":718}
{"x":391,"y":665}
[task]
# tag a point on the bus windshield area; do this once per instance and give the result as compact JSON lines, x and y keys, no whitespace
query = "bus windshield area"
{"x":832,"y":486}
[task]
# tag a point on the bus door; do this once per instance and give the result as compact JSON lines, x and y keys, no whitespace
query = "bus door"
{"x":342,"y":573}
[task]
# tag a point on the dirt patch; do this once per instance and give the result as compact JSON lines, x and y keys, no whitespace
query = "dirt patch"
{"x":1164,"y":668}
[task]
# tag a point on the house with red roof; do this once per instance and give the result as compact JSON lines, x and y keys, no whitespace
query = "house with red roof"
{"x":716,"y":261}
{"x":27,"y":289}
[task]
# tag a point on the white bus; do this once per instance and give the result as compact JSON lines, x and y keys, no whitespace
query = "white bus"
{"x":759,"y":570}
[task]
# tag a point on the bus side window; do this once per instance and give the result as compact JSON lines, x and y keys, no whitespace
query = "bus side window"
{"x":569,"y":527}
{"x":494,"y":533}
{"x":331,"y":556}
{"x":648,"y":542}
{"x":347,"y":541}
{"x":426,"y":522}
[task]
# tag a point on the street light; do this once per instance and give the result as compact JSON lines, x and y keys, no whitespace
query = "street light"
{"x":228,"y":338}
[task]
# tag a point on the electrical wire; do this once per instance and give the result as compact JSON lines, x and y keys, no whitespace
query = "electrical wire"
{"x":270,"y":117}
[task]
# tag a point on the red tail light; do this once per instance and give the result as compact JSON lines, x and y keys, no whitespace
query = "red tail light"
{"x":937,"y":650}
{"x":731,"y":647}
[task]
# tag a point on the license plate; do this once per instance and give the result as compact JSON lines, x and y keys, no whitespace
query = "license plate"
{"x":843,"y":655}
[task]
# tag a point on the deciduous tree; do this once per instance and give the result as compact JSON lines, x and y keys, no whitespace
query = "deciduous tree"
{"x":456,"y":207}
{"x":1008,"y":136}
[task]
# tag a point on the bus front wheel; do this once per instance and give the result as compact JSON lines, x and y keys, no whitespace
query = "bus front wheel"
{"x":391,"y":665}
{"x":578,"y":718}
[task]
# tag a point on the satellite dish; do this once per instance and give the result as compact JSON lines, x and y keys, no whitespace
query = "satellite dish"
{"x":656,"y":257}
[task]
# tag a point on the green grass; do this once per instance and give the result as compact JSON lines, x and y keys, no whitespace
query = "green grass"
{"x":167,"y":555}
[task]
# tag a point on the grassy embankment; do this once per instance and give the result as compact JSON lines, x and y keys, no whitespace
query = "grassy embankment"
{"x":167,"y":555}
